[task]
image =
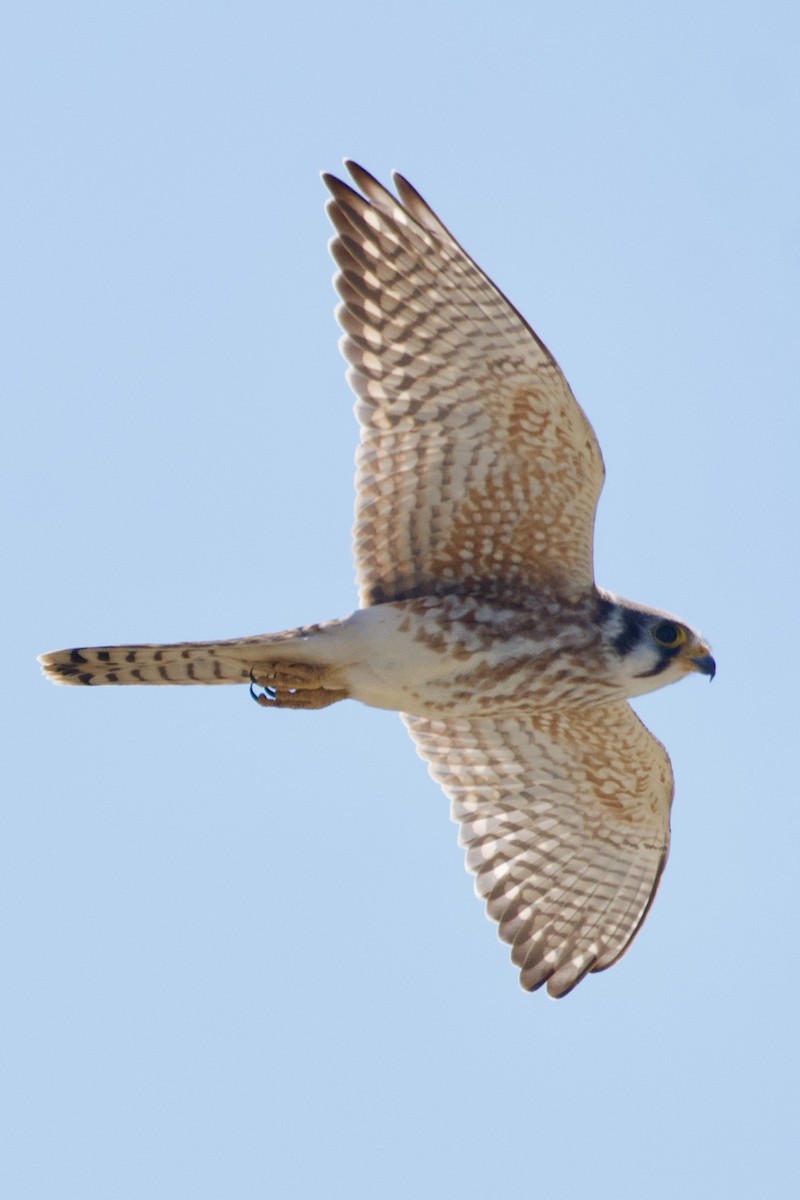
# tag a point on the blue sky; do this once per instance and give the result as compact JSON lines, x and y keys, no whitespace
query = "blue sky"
{"x":241,"y":954}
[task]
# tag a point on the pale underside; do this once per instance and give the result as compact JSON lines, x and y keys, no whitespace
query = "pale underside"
{"x":478,"y":477}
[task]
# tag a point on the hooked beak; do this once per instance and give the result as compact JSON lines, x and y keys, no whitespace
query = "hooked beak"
{"x":704,"y":663}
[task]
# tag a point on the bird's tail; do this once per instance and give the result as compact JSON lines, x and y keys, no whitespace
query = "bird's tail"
{"x":234,"y":661}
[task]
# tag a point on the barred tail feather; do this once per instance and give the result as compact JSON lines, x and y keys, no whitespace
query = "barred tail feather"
{"x":180,"y":663}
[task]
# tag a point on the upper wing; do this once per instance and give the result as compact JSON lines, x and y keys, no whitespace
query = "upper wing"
{"x":476,"y":465}
{"x":565,"y":820}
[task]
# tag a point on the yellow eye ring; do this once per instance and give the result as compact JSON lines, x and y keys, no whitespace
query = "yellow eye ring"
{"x":669,"y":634}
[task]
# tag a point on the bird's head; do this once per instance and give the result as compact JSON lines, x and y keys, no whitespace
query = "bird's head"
{"x":649,"y":648}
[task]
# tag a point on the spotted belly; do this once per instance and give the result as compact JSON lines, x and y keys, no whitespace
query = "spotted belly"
{"x":448,"y":657}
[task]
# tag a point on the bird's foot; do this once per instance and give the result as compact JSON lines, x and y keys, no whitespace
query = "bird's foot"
{"x":293,"y":685}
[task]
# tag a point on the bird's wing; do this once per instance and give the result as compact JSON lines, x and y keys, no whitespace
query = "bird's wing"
{"x":476,"y":466}
{"x":565,"y":821}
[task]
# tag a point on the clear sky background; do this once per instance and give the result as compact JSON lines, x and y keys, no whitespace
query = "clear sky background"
{"x":240,"y":954}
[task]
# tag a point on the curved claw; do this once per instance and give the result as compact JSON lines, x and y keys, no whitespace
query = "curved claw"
{"x":263,"y":699}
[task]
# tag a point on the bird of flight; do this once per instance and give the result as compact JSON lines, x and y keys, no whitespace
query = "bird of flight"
{"x":477,"y":480}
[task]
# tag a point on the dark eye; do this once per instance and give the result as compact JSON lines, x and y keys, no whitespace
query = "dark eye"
{"x":669,"y":635}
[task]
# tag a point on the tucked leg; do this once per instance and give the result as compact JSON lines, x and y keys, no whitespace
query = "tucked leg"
{"x":294,"y":685}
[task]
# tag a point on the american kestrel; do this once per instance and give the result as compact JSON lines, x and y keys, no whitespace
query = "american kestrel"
{"x":477,"y":481}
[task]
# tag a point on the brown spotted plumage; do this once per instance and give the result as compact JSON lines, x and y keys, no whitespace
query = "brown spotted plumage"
{"x":477,"y":482}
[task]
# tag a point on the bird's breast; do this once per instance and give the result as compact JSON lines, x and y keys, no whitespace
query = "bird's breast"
{"x":459,"y":657}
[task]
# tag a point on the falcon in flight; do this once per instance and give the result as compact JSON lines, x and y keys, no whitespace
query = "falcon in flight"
{"x":477,"y":481}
